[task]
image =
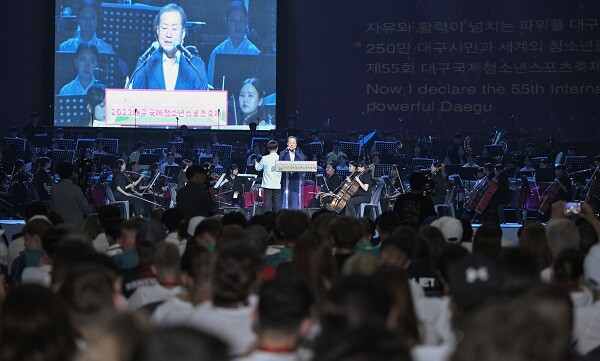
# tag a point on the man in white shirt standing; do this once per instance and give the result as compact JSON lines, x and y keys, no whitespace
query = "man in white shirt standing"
{"x":271,"y":181}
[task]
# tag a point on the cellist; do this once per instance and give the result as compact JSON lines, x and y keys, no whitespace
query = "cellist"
{"x":502,"y":194}
{"x":363,"y":194}
{"x":564,"y":183}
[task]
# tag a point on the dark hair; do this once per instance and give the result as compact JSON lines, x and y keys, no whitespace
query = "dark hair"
{"x":387,"y":222}
{"x":148,"y":234}
{"x":235,"y":6}
{"x":36,"y":208}
{"x":180,"y":343}
{"x":533,"y":239}
{"x":237,"y":218}
{"x":172,"y":219}
{"x":168,"y":8}
{"x":210,"y":225}
{"x":292,"y":223}
{"x":417,"y":180}
{"x":231,"y":168}
{"x":235,"y":272}
{"x":118,"y":164}
{"x":34,"y":324}
{"x":345,"y":232}
{"x":86,"y":47}
{"x":488,"y":240}
{"x":95,"y":95}
{"x":193,"y":170}
{"x":272,"y":145}
{"x":65,"y":170}
{"x":568,"y":266}
{"x":516,"y":268}
{"x":284,"y":304}
{"x":257,"y":85}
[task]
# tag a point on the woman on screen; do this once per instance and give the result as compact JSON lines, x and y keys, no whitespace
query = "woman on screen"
{"x":250,"y":102}
{"x":95,"y":105}
{"x":86,"y":60}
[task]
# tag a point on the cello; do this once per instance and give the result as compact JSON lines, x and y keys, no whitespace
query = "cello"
{"x":489,"y":192}
{"x":344,"y":192}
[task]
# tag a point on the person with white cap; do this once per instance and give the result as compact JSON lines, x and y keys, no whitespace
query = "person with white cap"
{"x":587,"y":319}
{"x":450,"y":227}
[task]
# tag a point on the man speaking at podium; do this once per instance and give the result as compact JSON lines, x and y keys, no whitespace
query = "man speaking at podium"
{"x":292,"y":180}
{"x":168,"y":65}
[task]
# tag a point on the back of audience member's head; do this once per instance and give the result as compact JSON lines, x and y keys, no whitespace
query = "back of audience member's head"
{"x":35,"y":208}
{"x":450,"y":227}
{"x":237,"y":218}
{"x":66,"y":253}
{"x":319,"y":212}
{"x":568,"y":268}
{"x":587,"y":234}
{"x":533,"y":239}
{"x":313,"y":263}
{"x":361,"y":264}
{"x":180,"y":343}
{"x":473,"y":282}
{"x":236,"y":271}
{"x":149,"y":234}
{"x":65,"y":170}
{"x":449,"y":255}
{"x":320,"y":226}
{"x":258,"y":237}
{"x":561,"y":234}
{"x":55,"y":218}
{"x":386,"y":223}
{"x":368,"y":228}
{"x":172,"y":219}
{"x":417,"y":180}
{"x":345,"y":232}
{"x":35,"y":230}
{"x":291,"y":224}
{"x":91,"y":227}
{"x":165,"y":260}
{"x":206,"y":232}
{"x":108,"y":215}
{"x":355,"y":301}
{"x":34,"y":324}
{"x":117,"y":338}
{"x":405,"y":320}
{"x":516,"y":268}
{"x":52,"y":238}
{"x":266,"y":220}
{"x":502,"y":321}
{"x":89,"y":294}
{"x":284,"y":307}
{"x":228,"y":234}
{"x":400,"y":247}
{"x":196,"y":268}
{"x":488,"y":240}
{"x":430,"y":243}
{"x":491,"y":217}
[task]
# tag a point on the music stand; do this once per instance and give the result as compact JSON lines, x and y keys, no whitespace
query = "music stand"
{"x":106,"y":159}
{"x":148,"y":159}
{"x":494,"y":150}
{"x":535,"y":162}
{"x":14,"y":144}
{"x":172,"y":172}
{"x":422,"y":163}
{"x":573,"y":163}
{"x":428,"y":150}
{"x":85,"y":143}
{"x":59,"y":156}
{"x":263,"y":142}
{"x":66,"y":144}
{"x":387,"y":150}
{"x":314,"y":148}
{"x":71,"y":111}
{"x":219,"y":171}
{"x":350,"y":148}
{"x":223,"y":150}
{"x":111,"y":145}
{"x":179,"y":146}
{"x":383,"y":169}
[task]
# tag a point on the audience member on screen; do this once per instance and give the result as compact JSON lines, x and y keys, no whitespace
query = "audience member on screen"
{"x":166,"y":68}
{"x":85,"y":62}
{"x":251,"y":101}
{"x":236,"y":20}
{"x":94,"y":100}
{"x":87,"y":19}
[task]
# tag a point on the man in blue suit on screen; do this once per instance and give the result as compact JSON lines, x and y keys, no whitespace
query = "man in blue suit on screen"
{"x":171,"y":66}
{"x":291,"y":181}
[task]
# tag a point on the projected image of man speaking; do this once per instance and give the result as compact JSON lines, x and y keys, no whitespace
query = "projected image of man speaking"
{"x":171,"y":66}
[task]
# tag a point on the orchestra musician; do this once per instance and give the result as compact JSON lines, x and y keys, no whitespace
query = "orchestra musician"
{"x":363,"y":194}
{"x":42,"y":179}
{"x":16,"y":186}
{"x":123,"y":189}
{"x":233,"y":186}
{"x":438,"y":194}
{"x":564,"y":183}
{"x":329,"y":183}
{"x":502,"y":195}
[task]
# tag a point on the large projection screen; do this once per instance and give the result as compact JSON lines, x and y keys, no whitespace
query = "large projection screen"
{"x":120,"y":49}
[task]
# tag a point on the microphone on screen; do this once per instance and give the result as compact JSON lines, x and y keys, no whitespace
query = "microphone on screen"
{"x":149,"y":52}
{"x":183,"y":51}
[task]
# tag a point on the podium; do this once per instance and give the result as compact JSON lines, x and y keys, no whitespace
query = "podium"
{"x":292,"y":180}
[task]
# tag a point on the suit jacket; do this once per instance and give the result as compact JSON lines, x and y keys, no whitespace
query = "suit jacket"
{"x":285,"y":155}
{"x":68,"y":200}
{"x":151,"y":75}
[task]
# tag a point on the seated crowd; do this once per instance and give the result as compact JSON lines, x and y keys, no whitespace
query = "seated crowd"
{"x":286,"y":286}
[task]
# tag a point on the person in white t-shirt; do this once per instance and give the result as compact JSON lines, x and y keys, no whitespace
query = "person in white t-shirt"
{"x":271,"y":181}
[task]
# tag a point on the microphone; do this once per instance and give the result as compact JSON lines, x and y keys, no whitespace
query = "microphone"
{"x":149,"y":52}
{"x":183,"y":51}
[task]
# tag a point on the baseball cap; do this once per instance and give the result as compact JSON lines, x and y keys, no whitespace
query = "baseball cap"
{"x":473,"y":281}
{"x":193,"y":223}
{"x":451,"y":228}
{"x":591,"y":268}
